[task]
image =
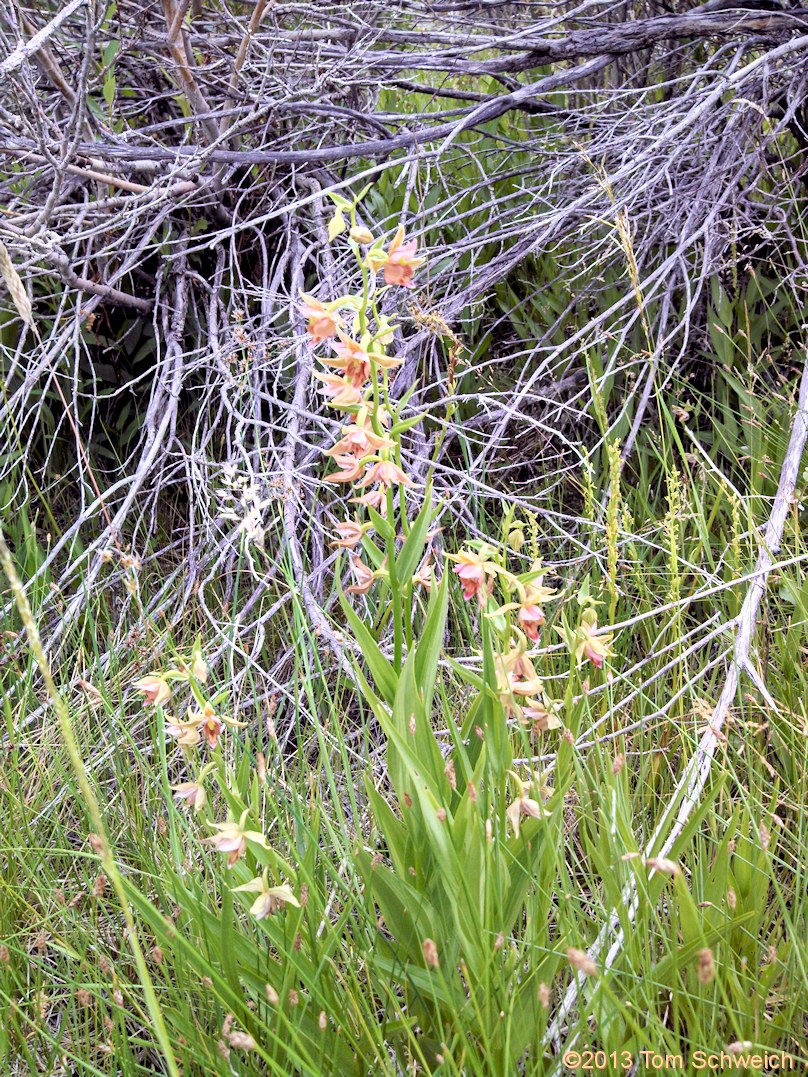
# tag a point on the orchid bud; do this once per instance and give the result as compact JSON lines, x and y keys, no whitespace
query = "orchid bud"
{"x":516,"y":539}
{"x":199,"y":667}
{"x":361,"y":235}
{"x":336,"y":226}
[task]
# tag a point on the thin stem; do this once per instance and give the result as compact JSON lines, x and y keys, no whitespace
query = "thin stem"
{"x":394,"y":588}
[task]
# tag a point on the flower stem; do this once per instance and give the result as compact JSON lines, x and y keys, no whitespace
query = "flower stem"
{"x":394,"y":587}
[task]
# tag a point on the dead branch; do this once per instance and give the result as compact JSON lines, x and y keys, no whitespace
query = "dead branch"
{"x":29,"y":48}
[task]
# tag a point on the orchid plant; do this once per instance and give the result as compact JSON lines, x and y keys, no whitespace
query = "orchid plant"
{"x":458,"y":831}
{"x":462,"y":831}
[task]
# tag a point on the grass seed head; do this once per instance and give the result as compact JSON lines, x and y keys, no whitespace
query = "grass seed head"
{"x":705,"y":966}
{"x":16,"y":288}
{"x":430,"y":953}
{"x":582,"y":962}
{"x":242,"y":1041}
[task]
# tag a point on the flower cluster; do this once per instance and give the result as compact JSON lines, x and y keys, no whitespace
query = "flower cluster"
{"x":242,"y":502}
{"x":202,"y":722}
{"x":232,"y":837}
{"x":356,"y":381}
{"x":205,"y":724}
{"x":480,"y":569}
{"x":518,"y":685}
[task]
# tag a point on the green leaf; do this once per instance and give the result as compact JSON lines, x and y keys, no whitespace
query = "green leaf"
{"x":405,"y":424}
{"x":488,"y":714}
{"x":407,"y":913}
{"x":530,"y":863}
{"x":413,"y":548}
{"x":429,"y":647}
{"x":690,"y":921}
{"x":381,"y":711}
{"x":412,"y":726}
{"x":424,"y":981}
{"x":381,"y":525}
{"x":661,"y":972}
{"x":381,"y":670}
{"x":372,"y":552}
{"x":226,"y":938}
{"x":391,"y":827}
{"x":465,"y":673}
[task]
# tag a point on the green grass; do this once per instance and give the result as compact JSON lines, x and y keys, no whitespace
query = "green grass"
{"x":348,"y":993}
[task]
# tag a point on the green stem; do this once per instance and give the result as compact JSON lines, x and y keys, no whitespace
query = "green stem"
{"x":363,"y":310}
{"x":394,"y":589}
